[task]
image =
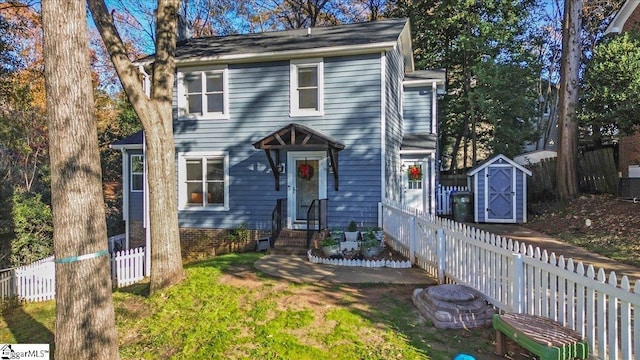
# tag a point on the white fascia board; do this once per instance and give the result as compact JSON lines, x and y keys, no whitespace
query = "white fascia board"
{"x":126,"y":147}
{"x":425,"y":82}
{"x":285,"y":55}
{"x":417,"y":152}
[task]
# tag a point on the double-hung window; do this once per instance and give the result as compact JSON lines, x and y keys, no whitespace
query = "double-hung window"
{"x":204,"y":182}
{"x":137,"y":172}
{"x":306,"y":87}
{"x":203,"y":93}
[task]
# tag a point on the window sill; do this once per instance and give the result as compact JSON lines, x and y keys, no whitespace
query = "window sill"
{"x":306,"y":113}
{"x":203,"y":118}
{"x":196,"y":208}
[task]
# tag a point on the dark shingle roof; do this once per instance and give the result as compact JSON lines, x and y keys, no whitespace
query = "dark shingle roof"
{"x":131,"y":141}
{"x":349,"y":37}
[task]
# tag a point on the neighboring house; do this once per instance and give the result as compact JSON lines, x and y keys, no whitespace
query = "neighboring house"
{"x":627,"y":19}
{"x":335,"y":113}
{"x":534,"y":157}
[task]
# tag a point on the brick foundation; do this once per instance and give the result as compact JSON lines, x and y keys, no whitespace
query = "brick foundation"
{"x":137,"y":234}
{"x":196,"y":243}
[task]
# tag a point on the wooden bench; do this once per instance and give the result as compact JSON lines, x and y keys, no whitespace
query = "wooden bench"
{"x":542,"y":336}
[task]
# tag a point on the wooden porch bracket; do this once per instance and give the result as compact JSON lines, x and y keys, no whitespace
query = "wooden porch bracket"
{"x":274,"y":165}
{"x":295,"y":137}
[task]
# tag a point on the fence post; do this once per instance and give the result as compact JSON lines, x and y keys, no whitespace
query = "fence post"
{"x":441,"y":252}
{"x":518,"y":284}
{"x":412,"y":238}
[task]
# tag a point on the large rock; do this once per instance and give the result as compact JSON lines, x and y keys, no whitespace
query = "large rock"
{"x":453,"y":306}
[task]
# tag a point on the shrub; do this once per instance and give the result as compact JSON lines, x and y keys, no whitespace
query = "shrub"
{"x":32,"y":228}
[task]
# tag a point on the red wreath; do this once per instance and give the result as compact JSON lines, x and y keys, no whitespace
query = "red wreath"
{"x":305,"y":171}
{"x":415,"y":172}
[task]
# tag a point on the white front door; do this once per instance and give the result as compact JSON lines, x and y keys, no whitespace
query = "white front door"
{"x":413,"y":179}
{"x":306,"y":181}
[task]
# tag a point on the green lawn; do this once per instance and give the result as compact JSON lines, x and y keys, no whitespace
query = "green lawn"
{"x":226,"y":309}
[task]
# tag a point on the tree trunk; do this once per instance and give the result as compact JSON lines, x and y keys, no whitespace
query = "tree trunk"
{"x":156,"y":116}
{"x":85,"y":320}
{"x":566,"y":173}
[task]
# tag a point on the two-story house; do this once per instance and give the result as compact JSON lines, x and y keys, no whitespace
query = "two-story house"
{"x":319,"y":124}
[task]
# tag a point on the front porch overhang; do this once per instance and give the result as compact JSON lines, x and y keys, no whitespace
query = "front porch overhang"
{"x":296,"y":137}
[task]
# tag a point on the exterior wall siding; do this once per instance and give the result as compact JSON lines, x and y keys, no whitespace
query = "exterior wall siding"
{"x":416,"y":106}
{"x":136,"y":198}
{"x":480,"y":199}
{"x":394,"y":124}
{"x":520,"y":195}
{"x":259,"y":105}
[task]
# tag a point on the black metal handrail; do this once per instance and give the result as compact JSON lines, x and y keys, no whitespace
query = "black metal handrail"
{"x":277,"y":219}
{"x":316,"y":218}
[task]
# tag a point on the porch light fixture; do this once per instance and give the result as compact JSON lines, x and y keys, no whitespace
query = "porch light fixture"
{"x":281,"y":168}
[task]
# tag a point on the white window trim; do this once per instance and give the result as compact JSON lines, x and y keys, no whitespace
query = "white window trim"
{"x":183,"y":111}
{"x":294,"y":107}
{"x":182,"y":177}
{"x":131,"y":173}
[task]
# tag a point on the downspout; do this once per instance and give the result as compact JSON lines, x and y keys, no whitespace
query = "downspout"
{"x":434,"y":162}
{"x":146,"y":85}
{"x":125,"y":196}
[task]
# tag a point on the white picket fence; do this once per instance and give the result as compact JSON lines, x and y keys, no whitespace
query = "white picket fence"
{"x":127,"y":267}
{"x":515,"y":277}
{"x":36,"y":281}
{"x":443,"y":198}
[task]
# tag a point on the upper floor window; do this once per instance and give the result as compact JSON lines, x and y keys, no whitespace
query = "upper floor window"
{"x":137,"y":172}
{"x":203,"y":178}
{"x":306,"y":87}
{"x":203,"y":93}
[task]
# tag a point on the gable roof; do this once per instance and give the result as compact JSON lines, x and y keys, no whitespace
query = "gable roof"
{"x":619,"y":22}
{"x":497,"y":158}
{"x":133,"y":141}
{"x":358,"y":38}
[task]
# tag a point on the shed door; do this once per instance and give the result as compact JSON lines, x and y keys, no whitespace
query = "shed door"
{"x":501,"y":194}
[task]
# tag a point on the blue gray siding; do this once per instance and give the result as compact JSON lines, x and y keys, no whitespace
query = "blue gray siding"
{"x":417,"y":110}
{"x":136,"y":199}
{"x":394,"y":125}
{"x":259,"y":105}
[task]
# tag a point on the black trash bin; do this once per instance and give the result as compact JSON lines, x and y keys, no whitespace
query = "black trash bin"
{"x":462,"y":206}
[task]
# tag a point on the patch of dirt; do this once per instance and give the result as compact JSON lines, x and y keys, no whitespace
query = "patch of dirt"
{"x":601,"y":223}
{"x":587,"y":215}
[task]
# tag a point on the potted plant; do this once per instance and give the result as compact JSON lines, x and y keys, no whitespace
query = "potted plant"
{"x":330,"y":246}
{"x":352,"y":232}
{"x":337,"y":234}
{"x":371,"y":245}
{"x":378,"y":233}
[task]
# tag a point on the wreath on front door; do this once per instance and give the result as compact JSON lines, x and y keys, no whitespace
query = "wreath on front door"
{"x":415,"y":172}
{"x":305,"y":171}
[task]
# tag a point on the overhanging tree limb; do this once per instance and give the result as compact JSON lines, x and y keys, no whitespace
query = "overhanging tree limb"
{"x":155,"y":113}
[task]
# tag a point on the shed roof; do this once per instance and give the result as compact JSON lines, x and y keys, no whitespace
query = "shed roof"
{"x":419,"y":142}
{"x":497,"y":158}
{"x":133,"y":141}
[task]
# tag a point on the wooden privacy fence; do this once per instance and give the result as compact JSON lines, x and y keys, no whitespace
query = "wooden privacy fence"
{"x":596,"y":170}
{"x":517,"y":278}
{"x":36,"y":282}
